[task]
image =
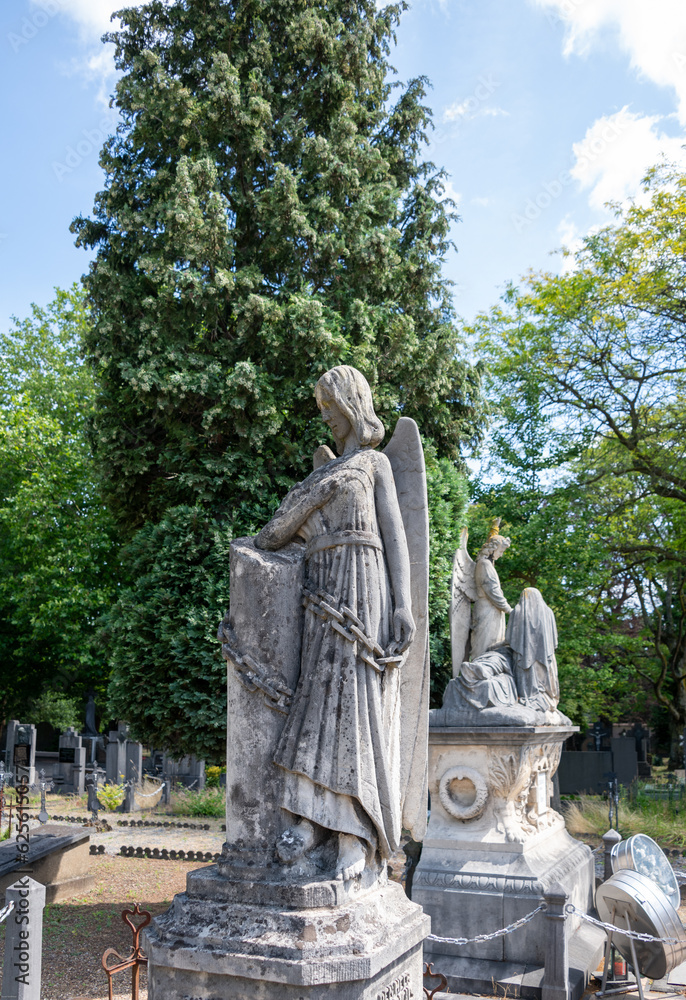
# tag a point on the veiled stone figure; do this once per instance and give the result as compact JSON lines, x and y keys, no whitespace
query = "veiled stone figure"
{"x":532,"y":636}
{"x":340,"y":747}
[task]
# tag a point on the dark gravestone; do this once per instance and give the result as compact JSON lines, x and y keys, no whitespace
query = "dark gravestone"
{"x":67,"y":755}
{"x":583,"y":771}
{"x":625,"y":761}
{"x":22,"y":755}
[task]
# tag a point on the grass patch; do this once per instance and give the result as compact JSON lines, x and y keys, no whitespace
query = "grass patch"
{"x":638,"y":813}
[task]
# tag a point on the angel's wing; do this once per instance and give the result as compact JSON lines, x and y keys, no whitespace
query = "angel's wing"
{"x":463,"y":592}
{"x":406,"y":456}
{"x":322,"y":456}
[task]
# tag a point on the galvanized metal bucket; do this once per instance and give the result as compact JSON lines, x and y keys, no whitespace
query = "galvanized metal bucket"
{"x":631,"y":900}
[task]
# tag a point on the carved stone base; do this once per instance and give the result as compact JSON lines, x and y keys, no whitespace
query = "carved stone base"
{"x":493,"y":847}
{"x":347,"y":942}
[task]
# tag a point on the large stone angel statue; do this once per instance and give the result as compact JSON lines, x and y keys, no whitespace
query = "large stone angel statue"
{"x":351,"y":754}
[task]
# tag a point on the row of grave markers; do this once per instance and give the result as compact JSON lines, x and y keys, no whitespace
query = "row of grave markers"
{"x":77,"y":756}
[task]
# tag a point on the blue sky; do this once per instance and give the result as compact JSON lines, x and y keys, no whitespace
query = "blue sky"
{"x":544,"y":110}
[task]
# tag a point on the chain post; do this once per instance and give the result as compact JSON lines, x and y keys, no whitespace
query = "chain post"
{"x":609,"y":840}
{"x":556,"y":973}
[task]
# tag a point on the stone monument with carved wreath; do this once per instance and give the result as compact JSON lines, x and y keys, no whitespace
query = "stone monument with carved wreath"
{"x":494,"y":843}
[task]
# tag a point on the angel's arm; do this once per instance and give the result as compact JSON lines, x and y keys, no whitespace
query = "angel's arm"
{"x":297,"y":506}
{"x":397,"y":555}
{"x":487,"y":578}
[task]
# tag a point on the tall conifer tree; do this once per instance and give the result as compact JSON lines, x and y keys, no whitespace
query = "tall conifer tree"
{"x":266,"y":215}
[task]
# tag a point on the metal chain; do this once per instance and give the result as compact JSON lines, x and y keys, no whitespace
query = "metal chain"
{"x":347,"y":624}
{"x":252,"y":675}
{"x":495,"y":934}
{"x":610,"y":928}
{"x":6,"y":910}
{"x":149,"y":795}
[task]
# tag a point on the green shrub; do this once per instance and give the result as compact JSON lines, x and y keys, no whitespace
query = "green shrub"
{"x":209,"y":802}
{"x":111,"y":796}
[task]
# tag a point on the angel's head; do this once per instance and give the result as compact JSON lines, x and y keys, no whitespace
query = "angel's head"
{"x":345,"y":401}
{"x":494,"y":547}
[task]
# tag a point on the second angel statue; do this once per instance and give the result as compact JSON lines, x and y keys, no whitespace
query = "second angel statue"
{"x":504,"y":672}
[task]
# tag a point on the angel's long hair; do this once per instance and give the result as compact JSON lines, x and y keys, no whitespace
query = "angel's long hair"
{"x":494,"y":542}
{"x":350,"y":390}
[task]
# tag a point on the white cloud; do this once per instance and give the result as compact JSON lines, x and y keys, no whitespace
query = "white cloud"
{"x":91,"y":18}
{"x":481,"y":202}
{"x":571,"y":240}
{"x":653,"y":34}
{"x":468,"y":109}
{"x":450,"y":192}
{"x":615,"y":153}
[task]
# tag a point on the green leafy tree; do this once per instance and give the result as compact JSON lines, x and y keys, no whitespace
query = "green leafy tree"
{"x":603,"y":344}
{"x":448,"y":494}
{"x":266,"y":215}
{"x":57,"y":710}
{"x":58,"y":565}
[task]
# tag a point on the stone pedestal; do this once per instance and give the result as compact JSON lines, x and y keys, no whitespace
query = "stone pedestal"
{"x":493,"y":847}
{"x":267,"y":939}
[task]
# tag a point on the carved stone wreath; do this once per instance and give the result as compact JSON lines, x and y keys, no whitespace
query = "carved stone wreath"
{"x":451,"y":805}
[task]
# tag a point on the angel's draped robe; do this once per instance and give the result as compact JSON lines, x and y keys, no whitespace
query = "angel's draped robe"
{"x":340,"y":743}
{"x":489,"y":609}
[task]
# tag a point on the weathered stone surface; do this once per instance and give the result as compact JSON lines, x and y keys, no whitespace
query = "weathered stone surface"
{"x":327,"y":648}
{"x":493,"y":786}
{"x":401,"y":980}
{"x":494,"y":846}
{"x":371,"y":936}
{"x":265,"y":625}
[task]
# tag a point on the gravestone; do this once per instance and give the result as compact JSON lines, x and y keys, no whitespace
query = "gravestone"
{"x":624,"y":759}
{"x":583,"y":771}
{"x":124,"y":757}
{"x":187,"y":771}
{"x":69,"y":772}
{"x":328,"y":638}
{"x":496,"y":848}
{"x":21,"y":751}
